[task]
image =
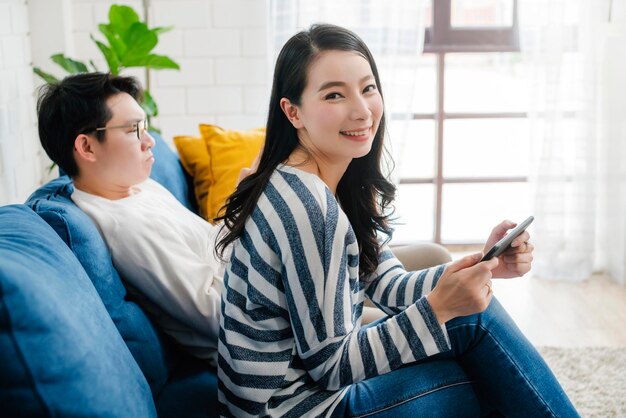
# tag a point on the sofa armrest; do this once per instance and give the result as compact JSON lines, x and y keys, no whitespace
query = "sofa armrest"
{"x":422,"y":255}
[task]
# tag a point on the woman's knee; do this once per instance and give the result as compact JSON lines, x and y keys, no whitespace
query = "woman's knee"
{"x":494,"y":312}
{"x":466,"y":331}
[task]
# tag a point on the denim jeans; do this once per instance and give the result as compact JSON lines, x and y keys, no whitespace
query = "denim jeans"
{"x":492,"y":369}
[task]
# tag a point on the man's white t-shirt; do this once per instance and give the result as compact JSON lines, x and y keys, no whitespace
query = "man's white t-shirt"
{"x":167,"y":253}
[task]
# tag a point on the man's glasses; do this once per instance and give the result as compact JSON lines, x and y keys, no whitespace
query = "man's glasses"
{"x":139,"y":127}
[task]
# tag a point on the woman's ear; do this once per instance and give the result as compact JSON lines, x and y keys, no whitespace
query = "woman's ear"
{"x":292,"y":112}
{"x":83,"y":148}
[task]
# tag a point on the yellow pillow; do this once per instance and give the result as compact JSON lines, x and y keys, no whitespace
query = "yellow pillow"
{"x":194,"y":157}
{"x":229,"y":152}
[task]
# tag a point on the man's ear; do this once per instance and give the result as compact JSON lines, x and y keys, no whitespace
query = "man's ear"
{"x":292,"y":112}
{"x":83,"y":147}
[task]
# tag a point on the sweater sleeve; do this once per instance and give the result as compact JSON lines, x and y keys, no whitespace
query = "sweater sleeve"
{"x":393,"y":289}
{"x":320,"y":271}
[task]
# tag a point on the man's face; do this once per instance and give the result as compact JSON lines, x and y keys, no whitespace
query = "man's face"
{"x":122,"y":159}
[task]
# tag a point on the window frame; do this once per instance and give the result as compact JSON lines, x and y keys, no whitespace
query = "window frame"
{"x":440,"y":39}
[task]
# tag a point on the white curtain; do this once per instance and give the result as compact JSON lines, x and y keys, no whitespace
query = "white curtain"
{"x":611,"y":250}
{"x":393,"y":31}
{"x":574,"y":186}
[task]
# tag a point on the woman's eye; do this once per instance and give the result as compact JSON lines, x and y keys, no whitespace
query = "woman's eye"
{"x":369,"y":88}
{"x":332,"y":96}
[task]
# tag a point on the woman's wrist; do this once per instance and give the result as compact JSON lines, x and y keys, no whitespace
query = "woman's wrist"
{"x":440,"y":312}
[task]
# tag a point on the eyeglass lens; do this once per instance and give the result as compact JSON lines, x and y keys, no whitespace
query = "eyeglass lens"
{"x":141,"y":128}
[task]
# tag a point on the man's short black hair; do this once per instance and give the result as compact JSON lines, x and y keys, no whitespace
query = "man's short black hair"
{"x":77,"y":105}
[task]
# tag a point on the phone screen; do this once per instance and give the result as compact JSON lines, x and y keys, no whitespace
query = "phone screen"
{"x":505,"y":242}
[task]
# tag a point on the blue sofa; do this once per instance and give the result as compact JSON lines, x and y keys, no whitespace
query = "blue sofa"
{"x":73,"y":342}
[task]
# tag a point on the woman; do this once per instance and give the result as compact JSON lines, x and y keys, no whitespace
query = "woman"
{"x":306,"y":252}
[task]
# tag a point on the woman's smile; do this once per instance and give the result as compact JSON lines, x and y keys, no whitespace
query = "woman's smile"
{"x":358,"y":135}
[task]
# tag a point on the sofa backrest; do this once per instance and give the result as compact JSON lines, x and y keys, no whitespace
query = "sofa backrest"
{"x":53,"y":203}
{"x":60,"y":353}
{"x":168,"y":171}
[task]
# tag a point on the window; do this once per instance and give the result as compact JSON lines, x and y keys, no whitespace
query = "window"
{"x":467,"y":139}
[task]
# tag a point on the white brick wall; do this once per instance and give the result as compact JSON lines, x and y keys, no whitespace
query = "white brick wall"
{"x":224,"y":64}
{"x":212,"y":43}
{"x":241,"y":14}
{"x":220,"y":44}
{"x":185,"y":14}
{"x":21,"y":157}
{"x":221,"y":48}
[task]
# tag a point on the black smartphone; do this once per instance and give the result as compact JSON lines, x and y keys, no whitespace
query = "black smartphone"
{"x":500,"y":246}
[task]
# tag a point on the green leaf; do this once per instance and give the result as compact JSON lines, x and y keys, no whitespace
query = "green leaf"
{"x":140,"y":42}
{"x":112,"y":60}
{"x":161,"y":29}
{"x":156,"y":62}
{"x":47,"y":77}
{"x":68,"y":64}
{"x":149,"y":105}
{"x":93,"y":65}
{"x":122,"y":18}
{"x":51,"y":167}
{"x":116,"y":43}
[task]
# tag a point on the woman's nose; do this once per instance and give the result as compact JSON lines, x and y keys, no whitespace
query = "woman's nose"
{"x":360,"y":109}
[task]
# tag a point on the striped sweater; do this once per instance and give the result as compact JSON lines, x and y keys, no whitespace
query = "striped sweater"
{"x":291,"y":340}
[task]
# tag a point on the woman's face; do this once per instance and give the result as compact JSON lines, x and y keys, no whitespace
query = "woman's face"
{"x":340,"y":108}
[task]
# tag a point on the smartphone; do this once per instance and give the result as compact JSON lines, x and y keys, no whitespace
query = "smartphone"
{"x":500,"y":246}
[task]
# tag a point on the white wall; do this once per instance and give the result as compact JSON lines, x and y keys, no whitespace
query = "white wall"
{"x":220,"y":45}
{"x":221,"y":48}
{"x":21,"y":161}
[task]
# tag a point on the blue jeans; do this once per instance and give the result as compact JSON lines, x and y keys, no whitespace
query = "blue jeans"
{"x":491,"y":369}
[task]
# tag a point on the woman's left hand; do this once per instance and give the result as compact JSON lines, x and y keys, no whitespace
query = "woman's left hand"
{"x":245,"y":172}
{"x":517,"y":259}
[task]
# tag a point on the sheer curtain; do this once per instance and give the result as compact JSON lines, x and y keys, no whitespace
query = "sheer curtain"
{"x":612,"y":211}
{"x":574,"y":189}
{"x":392,"y":29}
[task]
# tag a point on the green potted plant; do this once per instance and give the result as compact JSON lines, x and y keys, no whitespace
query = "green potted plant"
{"x":128,"y":43}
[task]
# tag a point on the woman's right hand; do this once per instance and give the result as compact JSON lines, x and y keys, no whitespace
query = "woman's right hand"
{"x":463,"y":289}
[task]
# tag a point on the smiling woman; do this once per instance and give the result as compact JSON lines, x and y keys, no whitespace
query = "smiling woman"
{"x":337,"y":117}
{"x":308,"y":231}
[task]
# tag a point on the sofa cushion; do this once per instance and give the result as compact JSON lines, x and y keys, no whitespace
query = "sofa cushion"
{"x":60,"y":353}
{"x":168,"y":171}
{"x":194,"y":157}
{"x":229,"y":152}
{"x":191,"y":391}
{"x":53,"y":203}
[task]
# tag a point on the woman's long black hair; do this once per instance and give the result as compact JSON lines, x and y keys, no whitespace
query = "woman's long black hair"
{"x":363,"y":192}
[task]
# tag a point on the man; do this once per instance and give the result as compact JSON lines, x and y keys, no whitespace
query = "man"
{"x":92,"y":126}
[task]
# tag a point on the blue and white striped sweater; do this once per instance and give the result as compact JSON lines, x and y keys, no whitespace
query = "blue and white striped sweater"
{"x":291,"y":339}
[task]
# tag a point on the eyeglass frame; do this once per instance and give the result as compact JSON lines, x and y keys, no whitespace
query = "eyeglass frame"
{"x":135,"y":125}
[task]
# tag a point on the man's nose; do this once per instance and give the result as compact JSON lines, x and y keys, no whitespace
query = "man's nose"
{"x":147,"y":141}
